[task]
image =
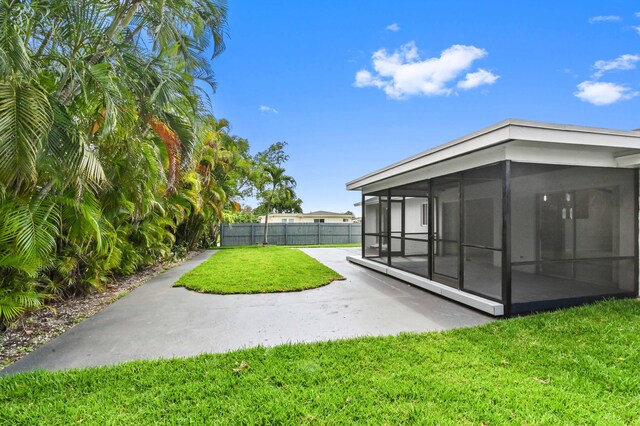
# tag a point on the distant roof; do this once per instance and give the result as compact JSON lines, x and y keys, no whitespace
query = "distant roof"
{"x":326,"y":213}
{"x":322,"y":213}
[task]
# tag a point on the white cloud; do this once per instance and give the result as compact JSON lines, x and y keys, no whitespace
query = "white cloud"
{"x":475,"y":79}
{"x":637,"y":29}
{"x":600,"y":93}
{"x":402,"y":74}
{"x":268,"y":109}
{"x":365,"y":79}
{"x":623,"y":62}
{"x":393,"y":27}
{"x":599,"y":19}
{"x":637,"y":14}
{"x":570,"y":72}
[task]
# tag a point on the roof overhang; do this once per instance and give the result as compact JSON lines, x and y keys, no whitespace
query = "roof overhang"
{"x":517,"y":140}
{"x":308,"y":215}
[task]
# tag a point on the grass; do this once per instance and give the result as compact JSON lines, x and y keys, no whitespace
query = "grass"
{"x":328,"y":245}
{"x":294,"y":246}
{"x":121,"y":295}
{"x":578,"y":366}
{"x":258,"y":269}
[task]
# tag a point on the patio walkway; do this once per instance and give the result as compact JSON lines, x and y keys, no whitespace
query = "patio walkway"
{"x":159,"y":321}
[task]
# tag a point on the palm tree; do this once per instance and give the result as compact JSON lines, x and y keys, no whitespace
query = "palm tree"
{"x":274,"y":183}
{"x":99,"y":119}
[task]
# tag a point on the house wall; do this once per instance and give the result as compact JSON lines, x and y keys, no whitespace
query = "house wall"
{"x":278,"y":219}
{"x":415,"y":245}
{"x":303,"y":219}
{"x":413,"y":215}
{"x":333,"y":220}
{"x":371,"y":218}
{"x":396,"y":226}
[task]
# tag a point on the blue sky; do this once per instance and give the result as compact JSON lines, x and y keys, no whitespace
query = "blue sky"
{"x":353,"y":86}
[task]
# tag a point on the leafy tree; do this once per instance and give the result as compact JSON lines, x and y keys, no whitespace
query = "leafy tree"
{"x":222,"y":166}
{"x":245,"y":215}
{"x":285,"y":201}
{"x":274,"y":188}
{"x":109,"y":157}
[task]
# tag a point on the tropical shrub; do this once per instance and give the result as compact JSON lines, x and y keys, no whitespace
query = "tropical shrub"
{"x":110,"y":159}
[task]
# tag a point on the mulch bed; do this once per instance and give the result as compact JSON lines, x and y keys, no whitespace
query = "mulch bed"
{"x":37,"y":327}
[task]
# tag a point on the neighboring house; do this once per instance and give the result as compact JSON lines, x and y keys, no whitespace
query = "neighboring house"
{"x":518,"y":217}
{"x":313,"y":217}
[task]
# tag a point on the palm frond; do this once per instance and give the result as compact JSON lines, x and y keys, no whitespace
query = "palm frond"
{"x":25,"y":120}
{"x":68,"y":146}
{"x":14,"y":57}
{"x":13,"y":302}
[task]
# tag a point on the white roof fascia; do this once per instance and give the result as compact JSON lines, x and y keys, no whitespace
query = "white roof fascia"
{"x":465,"y":162}
{"x":503,"y":132}
{"x":632,"y":160}
{"x":575,"y":135}
{"x":560,"y":154}
{"x":444,"y":152}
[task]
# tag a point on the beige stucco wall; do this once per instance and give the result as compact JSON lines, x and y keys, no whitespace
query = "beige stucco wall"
{"x":305,"y":219}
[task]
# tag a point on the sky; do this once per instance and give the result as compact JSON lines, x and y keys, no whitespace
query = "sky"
{"x":353,"y":86}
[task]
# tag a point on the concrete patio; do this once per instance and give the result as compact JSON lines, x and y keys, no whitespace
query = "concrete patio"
{"x":159,"y":321}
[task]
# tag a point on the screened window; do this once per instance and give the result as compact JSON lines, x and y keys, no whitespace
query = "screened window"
{"x":482,"y":231}
{"x":409,"y":236}
{"x":572,"y":232}
{"x":571,"y":238}
{"x":446,"y":229}
{"x":372,"y":217}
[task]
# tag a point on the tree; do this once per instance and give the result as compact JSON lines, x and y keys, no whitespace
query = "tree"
{"x":245,"y":215}
{"x":282,"y":202}
{"x":107,"y":148}
{"x":222,"y":166}
{"x":273,"y":186}
{"x":277,"y":185}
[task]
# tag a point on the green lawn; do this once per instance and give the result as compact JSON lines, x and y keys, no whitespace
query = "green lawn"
{"x":329,"y":245}
{"x":258,"y":269}
{"x":346,"y":245}
{"x":578,"y":366}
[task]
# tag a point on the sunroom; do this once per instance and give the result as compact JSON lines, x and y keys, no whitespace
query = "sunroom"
{"x":515,"y":218}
